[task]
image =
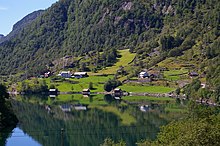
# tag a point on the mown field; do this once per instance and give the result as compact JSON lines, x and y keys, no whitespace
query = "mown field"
{"x":146,"y":88}
{"x":126,"y":58}
{"x":77,"y":85}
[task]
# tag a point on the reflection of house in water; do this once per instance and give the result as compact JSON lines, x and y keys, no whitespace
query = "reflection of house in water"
{"x":80,"y":107}
{"x":52,"y":96}
{"x":117,"y":97}
{"x":144,"y":108}
{"x":66,"y":107}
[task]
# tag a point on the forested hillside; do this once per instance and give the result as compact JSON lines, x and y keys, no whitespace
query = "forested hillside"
{"x":166,"y":28}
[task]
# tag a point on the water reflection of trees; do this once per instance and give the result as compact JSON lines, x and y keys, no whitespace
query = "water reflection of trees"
{"x":85,"y":127}
{"x":4,"y":134}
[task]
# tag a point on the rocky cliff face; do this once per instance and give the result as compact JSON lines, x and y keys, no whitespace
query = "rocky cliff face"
{"x":20,"y":25}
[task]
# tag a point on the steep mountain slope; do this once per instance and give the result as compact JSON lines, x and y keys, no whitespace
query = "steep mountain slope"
{"x":154,"y":29}
{"x":17,"y":28}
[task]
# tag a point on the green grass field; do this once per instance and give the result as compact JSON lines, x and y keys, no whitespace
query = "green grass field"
{"x":148,"y":89}
{"x":97,"y":82}
{"x":174,"y":75}
{"x":126,"y":57}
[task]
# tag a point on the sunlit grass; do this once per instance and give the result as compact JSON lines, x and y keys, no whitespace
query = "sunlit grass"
{"x":126,"y":57}
{"x":148,"y":89}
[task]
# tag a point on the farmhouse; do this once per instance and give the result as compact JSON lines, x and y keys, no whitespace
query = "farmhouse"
{"x":143,"y":74}
{"x":65,"y":74}
{"x":80,"y":74}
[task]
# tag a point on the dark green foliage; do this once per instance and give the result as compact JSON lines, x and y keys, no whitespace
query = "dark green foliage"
{"x":77,"y":28}
{"x":90,"y":85}
{"x":191,"y":89}
{"x":37,"y":87}
{"x":111,"y":84}
{"x":3,"y":94}
{"x":200,"y":128}
{"x":7,"y":118}
{"x":169,"y":42}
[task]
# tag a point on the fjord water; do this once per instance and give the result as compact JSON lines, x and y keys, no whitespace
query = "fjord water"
{"x":103,"y":119}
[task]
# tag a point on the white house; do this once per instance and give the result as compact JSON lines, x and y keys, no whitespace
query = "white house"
{"x":143,"y":74}
{"x":65,"y":74}
{"x":80,"y":74}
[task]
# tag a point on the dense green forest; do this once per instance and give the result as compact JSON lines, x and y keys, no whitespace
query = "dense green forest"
{"x":100,"y":27}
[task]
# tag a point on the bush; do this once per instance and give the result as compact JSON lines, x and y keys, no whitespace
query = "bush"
{"x":111,"y":84}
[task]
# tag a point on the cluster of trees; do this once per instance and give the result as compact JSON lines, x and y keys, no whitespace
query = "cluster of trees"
{"x":111,"y":84}
{"x":7,"y":118}
{"x":35,"y":87}
{"x":200,"y":128}
{"x":195,"y":91}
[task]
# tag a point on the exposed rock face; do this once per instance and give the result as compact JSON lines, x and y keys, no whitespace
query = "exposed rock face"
{"x":20,"y":25}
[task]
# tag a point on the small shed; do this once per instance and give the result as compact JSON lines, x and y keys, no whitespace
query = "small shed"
{"x":86,"y":92}
{"x":53,"y":91}
{"x":117,"y":92}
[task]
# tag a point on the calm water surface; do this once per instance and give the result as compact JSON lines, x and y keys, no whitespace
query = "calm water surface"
{"x":105,"y":117}
{"x":18,"y":137}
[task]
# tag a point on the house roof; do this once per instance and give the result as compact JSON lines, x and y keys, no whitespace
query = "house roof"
{"x":143,"y":72}
{"x":86,"y":90}
{"x":64,"y":72}
{"x":80,"y":73}
{"x":53,"y":90}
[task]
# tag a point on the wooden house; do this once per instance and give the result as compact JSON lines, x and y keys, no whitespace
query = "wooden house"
{"x":117,"y":92}
{"x":86,"y":92}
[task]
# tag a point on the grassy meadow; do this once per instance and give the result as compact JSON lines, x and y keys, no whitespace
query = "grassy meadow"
{"x":148,"y":89}
{"x":126,"y":58}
